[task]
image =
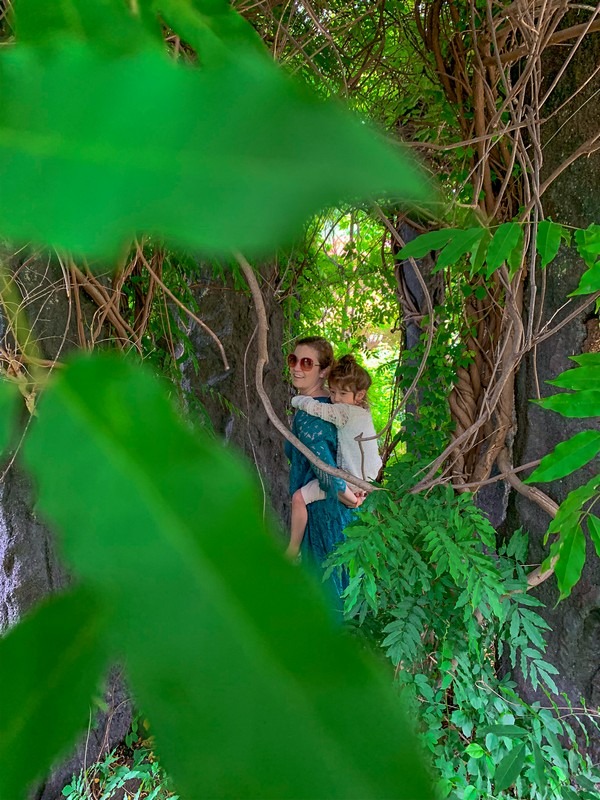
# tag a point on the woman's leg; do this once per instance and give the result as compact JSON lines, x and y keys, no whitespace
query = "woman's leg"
{"x":298,"y":524}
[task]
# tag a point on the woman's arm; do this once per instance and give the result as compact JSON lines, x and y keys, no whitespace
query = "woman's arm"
{"x":336,"y":413}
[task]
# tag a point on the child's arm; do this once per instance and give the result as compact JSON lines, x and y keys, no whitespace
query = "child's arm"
{"x":337,"y":413}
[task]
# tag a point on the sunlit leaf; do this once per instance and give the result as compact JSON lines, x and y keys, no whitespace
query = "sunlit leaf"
{"x":228,"y":648}
{"x":567,"y":457}
{"x":509,"y":768}
{"x":588,"y":243}
{"x":594,"y":530}
{"x":549,"y":235}
{"x":427,"y":242}
{"x":571,"y":558}
{"x":504,"y":241}
{"x":581,"y":378}
{"x":50,"y":665}
{"x":587,"y":359}
{"x":571,"y":507}
{"x":589,"y":282}
{"x":578,"y":404}
{"x":9,"y":404}
{"x":463,"y":242}
{"x":238,"y":157}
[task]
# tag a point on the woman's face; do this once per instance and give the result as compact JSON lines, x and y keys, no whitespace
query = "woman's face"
{"x":307,"y":379}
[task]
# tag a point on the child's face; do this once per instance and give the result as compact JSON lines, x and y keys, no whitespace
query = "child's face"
{"x":339,"y":395}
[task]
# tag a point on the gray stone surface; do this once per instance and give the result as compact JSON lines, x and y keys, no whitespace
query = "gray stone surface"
{"x":230,"y":398}
{"x":574,"y":645}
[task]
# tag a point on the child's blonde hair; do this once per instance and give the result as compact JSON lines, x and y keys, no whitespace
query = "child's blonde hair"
{"x":350,"y":377}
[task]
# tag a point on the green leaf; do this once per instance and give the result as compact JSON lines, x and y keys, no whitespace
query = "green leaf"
{"x":588,"y":243}
{"x":463,"y":242}
{"x":579,"y":404}
{"x":589,"y":282}
{"x":587,"y":359}
{"x":242,"y":691}
{"x":539,"y":766}
{"x":509,"y":768}
{"x":480,"y":252}
{"x":548,"y":239}
{"x":579,"y":378}
{"x":504,"y":241}
{"x":211,"y":28}
{"x":240,"y":160}
{"x":594,"y":531}
{"x":567,"y":457}
{"x":503,"y":730}
{"x":110,"y":25}
{"x":426,"y":242}
{"x":475,"y":750}
{"x":9,"y":405}
{"x":50,"y":666}
{"x":571,"y":558}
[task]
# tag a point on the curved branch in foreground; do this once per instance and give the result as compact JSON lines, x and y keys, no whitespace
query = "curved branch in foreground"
{"x":535,"y":495}
{"x":263,"y":360}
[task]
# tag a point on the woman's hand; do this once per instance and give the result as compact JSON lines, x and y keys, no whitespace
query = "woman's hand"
{"x":352,"y":499}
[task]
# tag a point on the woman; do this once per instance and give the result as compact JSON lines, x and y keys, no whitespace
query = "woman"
{"x":309,"y":366}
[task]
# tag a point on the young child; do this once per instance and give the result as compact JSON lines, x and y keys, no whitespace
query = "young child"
{"x":348,"y":385}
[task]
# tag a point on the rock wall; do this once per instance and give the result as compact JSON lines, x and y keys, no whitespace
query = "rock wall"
{"x":230,"y":397}
{"x":574,"y":645}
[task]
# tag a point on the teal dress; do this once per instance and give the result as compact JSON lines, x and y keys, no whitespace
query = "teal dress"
{"x":326,"y":518}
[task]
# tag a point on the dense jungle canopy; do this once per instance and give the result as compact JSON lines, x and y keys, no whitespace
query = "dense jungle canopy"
{"x":187,"y":187}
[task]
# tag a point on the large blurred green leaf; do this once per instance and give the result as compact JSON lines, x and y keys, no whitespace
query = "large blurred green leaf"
{"x":211,"y":27}
{"x":228,"y":648}
{"x":116,"y":26}
{"x":567,"y":457}
{"x":95,"y":150}
{"x":9,"y":403}
{"x":50,"y":665}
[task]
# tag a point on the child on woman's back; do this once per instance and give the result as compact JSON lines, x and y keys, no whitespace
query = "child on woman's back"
{"x":348,"y":385}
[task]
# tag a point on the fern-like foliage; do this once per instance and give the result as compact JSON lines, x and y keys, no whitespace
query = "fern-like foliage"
{"x":452,"y":613}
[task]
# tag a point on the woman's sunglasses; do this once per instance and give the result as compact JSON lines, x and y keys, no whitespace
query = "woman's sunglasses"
{"x":306,"y":364}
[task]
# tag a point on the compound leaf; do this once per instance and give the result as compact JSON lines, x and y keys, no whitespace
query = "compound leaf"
{"x":549,"y":235}
{"x":503,"y":243}
{"x":587,"y":377}
{"x":567,"y":457}
{"x":228,"y":648}
{"x":594,"y":529}
{"x":578,"y":404}
{"x":463,"y":242}
{"x":423,"y":245}
{"x":571,"y":558}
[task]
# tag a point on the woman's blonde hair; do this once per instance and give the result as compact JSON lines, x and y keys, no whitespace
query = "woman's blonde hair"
{"x":350,"y":376}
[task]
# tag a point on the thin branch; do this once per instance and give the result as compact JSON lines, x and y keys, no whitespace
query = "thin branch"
{"x":262,"y":361}
{"x":184,"y":308}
